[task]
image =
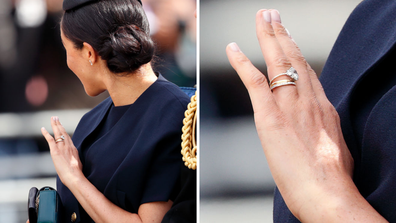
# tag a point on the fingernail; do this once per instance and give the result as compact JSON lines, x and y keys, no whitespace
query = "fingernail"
{"x":267,"y":16}
{"x":53,"y":118}
{"x":42,"y":128}
{"x":275,"y":16}
{"x":57,"y":118}
{"x":234,"y":47}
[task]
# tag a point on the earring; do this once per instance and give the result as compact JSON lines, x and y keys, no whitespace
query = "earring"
{"x":90,"y":62}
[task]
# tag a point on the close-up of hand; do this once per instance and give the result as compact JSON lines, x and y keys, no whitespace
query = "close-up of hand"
{"x":63,"y":152}
{"x":299,"y":130}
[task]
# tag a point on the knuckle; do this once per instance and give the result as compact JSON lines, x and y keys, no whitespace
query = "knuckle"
{"x":297,"y":56}
{"x":280,"y":30}
{"x":336,"y":117}
{"x":268,"y":33}
{"x":310,"y":70}
{"x":280,"y":62}
{"x":242,"y":59}
{"x":332,"y":111}
{"x":257,"y":79}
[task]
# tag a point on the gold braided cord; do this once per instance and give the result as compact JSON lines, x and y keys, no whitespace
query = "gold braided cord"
{"x":189,"y":145}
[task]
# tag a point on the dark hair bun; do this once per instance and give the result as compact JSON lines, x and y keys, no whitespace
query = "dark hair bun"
{"x":127,"y":49}
{"x":117,"y":29}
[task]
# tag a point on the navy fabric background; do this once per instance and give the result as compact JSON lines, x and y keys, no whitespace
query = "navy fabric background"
{"x":359,"y":79}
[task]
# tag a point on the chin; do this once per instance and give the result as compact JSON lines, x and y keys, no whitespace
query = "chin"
{"x":93,"y":93}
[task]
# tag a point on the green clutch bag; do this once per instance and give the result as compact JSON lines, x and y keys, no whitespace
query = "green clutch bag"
{"x":44,"y":205}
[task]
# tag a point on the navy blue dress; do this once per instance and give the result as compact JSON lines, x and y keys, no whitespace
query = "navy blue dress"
{"x":131,"y":153}
{"x":184,"y":208}
{"x":359,"y":79}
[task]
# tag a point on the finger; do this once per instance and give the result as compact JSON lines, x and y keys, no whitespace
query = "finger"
{"x":55,"y":128}
{"x":63,"y":132}
{"x":274,"y":56}
{"x":308,"y":82}
{"x":294,"y":55}
{"x":50,"y":140}
{"x":255,"y":82}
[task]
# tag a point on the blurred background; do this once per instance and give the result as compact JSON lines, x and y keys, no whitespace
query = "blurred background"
{"x":36,"y":84}
{"x":235,"y":182}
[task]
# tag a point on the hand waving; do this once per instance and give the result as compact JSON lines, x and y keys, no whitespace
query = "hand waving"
{"x":63,"y":152}
{"x":299,"y":129}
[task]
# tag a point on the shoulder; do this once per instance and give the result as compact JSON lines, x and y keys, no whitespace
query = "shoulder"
{"x":165,"y":93}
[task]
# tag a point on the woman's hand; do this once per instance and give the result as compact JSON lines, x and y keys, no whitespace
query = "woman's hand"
{"x":69,"y":168}
{"x":300,"y":131}
{"x":63,"y":152}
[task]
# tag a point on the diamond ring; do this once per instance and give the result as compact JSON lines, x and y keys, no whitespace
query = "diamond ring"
{"x":292,"y":73}
{"x":60,"y":139}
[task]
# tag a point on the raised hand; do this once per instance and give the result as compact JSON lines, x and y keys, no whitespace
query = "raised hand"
{"x":299,"y":129}
{"x":63,"y":152}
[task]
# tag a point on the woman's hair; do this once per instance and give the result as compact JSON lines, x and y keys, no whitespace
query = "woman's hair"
{"x":117,"y":29}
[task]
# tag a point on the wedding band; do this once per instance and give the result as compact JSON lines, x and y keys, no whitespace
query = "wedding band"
{"x":281,"y":83}
{"x":60,"y":139}
{"x":292,"y":73}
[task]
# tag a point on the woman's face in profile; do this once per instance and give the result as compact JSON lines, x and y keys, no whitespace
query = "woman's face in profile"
{"x":71,"y":54}
{"x":80,"y":66}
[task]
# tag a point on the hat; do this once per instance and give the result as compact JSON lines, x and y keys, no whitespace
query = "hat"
{"x":70,"y":4}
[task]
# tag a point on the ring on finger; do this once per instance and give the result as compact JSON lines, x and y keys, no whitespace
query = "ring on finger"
{"x":291,"y":72}
{"x":60,"y":139}
{"x":281,"y":83}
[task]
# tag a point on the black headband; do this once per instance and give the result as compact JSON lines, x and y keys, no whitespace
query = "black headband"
{"x":70,"y":4}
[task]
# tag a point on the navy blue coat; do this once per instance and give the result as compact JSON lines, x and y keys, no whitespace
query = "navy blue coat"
{"x":138,"y":160}
{"x":359,"y":79}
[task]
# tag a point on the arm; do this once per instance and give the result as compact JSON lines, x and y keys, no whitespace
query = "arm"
{"x":300,"y":132}
{"x":100,"y":209}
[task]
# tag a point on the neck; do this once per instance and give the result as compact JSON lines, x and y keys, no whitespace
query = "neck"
{"x":125,"y":89}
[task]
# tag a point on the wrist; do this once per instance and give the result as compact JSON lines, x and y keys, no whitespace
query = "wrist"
{"x":73,"y":180}
{"x":325,"y":204}
{"x":338,"y":201}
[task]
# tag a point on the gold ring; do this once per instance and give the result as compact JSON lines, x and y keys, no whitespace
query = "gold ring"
{"x":281,"y":83}
{"x":60,"y":139}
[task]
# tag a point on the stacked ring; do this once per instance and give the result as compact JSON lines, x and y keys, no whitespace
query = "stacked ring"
{"x":281,"y":83}
{"x":60,"y":139}
{"x":291,"y":73}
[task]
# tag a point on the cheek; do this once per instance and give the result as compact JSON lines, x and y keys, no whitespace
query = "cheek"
{"x":71,"y":63}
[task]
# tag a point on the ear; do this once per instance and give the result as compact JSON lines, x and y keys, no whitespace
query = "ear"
{"x":89,"y":53}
